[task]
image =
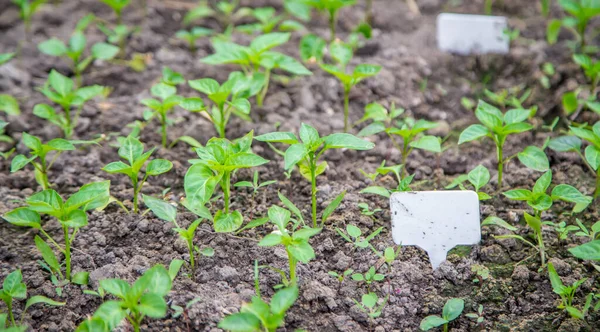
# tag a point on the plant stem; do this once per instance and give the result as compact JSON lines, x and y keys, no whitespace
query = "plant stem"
{"x":446,"y":327}
{"x":369,"y":12}
{"x":163,"y":129}
{"x":67,"y":253}
{"x":226,"y":185}
{"x":346,"y":108}
{"x":542,"y":249}
{"x":332,"y":22}
{"x":597,"y":192}
{"x":222,"y":121}
{"x":263,"y":92}
{"x":405,"y":152}
{"x":10,"y":313}
{"x":313,"y":192}
{"x":293,"y":264}
{"x":191,"y":249}
{"x":135,"y":194}
{"x":68,"y":129}
{"x":500,"y":166}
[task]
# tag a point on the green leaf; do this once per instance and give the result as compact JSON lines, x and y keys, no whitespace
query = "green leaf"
{"x":90,"y":196}
{"x":240,"y":322}
{"x":158,"y":280}
{"x":479,"y":177}
{"x":283,"y":300}
{"x":518,"y":194}
{"x":104,"y":51}
{"x":163,"y":90}
{"x":116,"y":287}
{"x":158,"y":166}
{"x":291,"y":206}
{"x":365,"y":70}
{"x":312,"y":47}
{"x":488,"y":115}
{"x":278,"y":137}
{"x":428,"y":143}
{"x":534,"y":158}
{"x":47,"y":201}
{"x":570,"y":102}
{"x":270,"y":240}
{"x":346,"y":141}
{"x":353,"y":231}
{"x":41,"y":299}
{"x":565,"y":144}
{"x":453,"y":308}
{"x":294,"y":154}
{"x":9,"y":105}
{"x":117,"y":167}
{"x":472,"y":133}
{"x":309,"y":136}
{"x":376,"y":190}
{"x":60,"y":83}
{"x":592,"y":155}
{"x":516,"y":115}
{"x":279,"y":216}
{"x":131,"y":149}
{"x":227,"y":222}
{"x":193,"y":104}
{"x":4,"y":58}
{"x":23,"y":217}
{"x":208,"y":86}
{"x":301,"y":251}
{"x":587,"y":251}
{"x":77,"y":42}
{"x":341,"y":53}
{"x":160,"y":208}
{"x":53,"y":47}
{"x":552,"y":31}
{"x":268,"y":41}
{"x":200,"y":183}
{"x":557,"y":285}
{"x":47,"y":254}
{"x":534,"y":222}
{"x":492,"y":220}
{"x":332,"y":206}
{"x":60,"y":144}
{"x":153,"y":305}
{"x":431,"y":322}
{"x":13,"y":285}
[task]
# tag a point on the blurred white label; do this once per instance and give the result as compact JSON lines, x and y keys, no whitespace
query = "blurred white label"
{"x":472,"y":34}
{"x":435,"y":221}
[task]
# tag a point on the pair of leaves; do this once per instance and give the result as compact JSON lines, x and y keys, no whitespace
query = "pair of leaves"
{"x":452,"y":309}
{"x":494,"y":123}
{"x":132,"y":151}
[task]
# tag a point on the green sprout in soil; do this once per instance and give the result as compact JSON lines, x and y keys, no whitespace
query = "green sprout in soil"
{"x":230,"y":98}
{"x":478,"y":177}
{"x":368,"y":277}
{"x":190,"y":36}
{"x":477,"y":316}
{"x":574,"y":101}
{"x":159,"y":108}
{"x":117,"y":7}
{"x":588,"y":251}
{"x":144,"y":298}
{"x":368,"y":305}
{"x":592,"y":233}
{"x":353,"y":235}
{"x":62,"y":90}
{"x":268,"y":21}
{"x":296,"y":242}
{"x":482,"y":273}
{"x":118,"y":35}
{"x":452,"y":309}
{"x":8,"y":105}
{"x":573,"y":144}
{"x":75,"y":50}
{"x":71,"y":216}
{"x":306,"y":153}
{"x":340,"y":277}
{"x":580,"y":13}
{"x":255,"y":185}
{"x":567,"y":294}
{"x":498,"y":127}
{"x":13,"y":288}
{"x":540,"y":201}
{"x":132,"y":151}
{"x":561,"y":229}
{"x":365,"y":210}
{"x":217,"y":161}
{"x":403,"y":183}
{"x":28,"y":8}
{"x":257,"y":60}
{"x":227,"y":13}
{"x":259,"y":315}
{"x":332,"y":7}
{"x":535,"y":223}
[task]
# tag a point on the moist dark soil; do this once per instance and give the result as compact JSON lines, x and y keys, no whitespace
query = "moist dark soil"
{"x":416,"y":76}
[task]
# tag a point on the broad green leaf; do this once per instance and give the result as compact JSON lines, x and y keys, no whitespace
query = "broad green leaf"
{"x":158,"y":280}
{"x":279,"y":216}
{"x":240,"y":322}
{"x":552,"y":31}
{"x":47,"y":201}
{"x":489,"y":115}
{"x":104,"y":51}
{"x":9,"y":105}
{"x":163,"y":90}
{"x":294,"y":154}
{"x":542,"y":183}
{"x":479,"y":177}
{"x":301,"y":251}
{"x":341,"y":53}
{"x":60,"y":83}
{"x":75,"y":219}
{"x":346,"y":141}
{"x":290,"y":206}
{"x":20,"y":161}
{"x":199,"y":183}
{"x":492,"y":220}
{"x":117,"y":167}
{"x":278,"y":137}
{"x":453,"y":308}
{"x":246,"y":160}
{"x":428,"y":143}
{"x":131,"y":149}
{"x":311,"y":47}
{"x":77,"y":42}
{"x":592,"y":155}
{"x":158,"y":166}
{"x":153,"y":305}
{"x":365,"y":70}
{"x":570,"y":102}
{"x":472,"y":133}
{"x":268,"y":41}
{"x":208,"y":86}
{"x":41,"y":299}
{"x":557,"y":284}
{"x":227,"y":222}
{"x":587,"y":251}
{"x":53,"y":47}
{"x":431,"y":322}
{"x":81,"y":278}
{"x":516,"y":116}
{"x":270,"y":240}
{"x":90,"y":196}
{"x":283,"y":300}
{"x":377,"y":190}
{"x":309,"y":136}
{"x":160,"y":208}
{"x":23,"y":217}
{"x":518,"y":194}
{"x":60,"y":144}
{"x":193,"y":104}
{"x":372,"y":129}
{"x":13,"y":285}
{"x":565,"y":144}
{"x":534,"y":222}
{"x":534,"y":158}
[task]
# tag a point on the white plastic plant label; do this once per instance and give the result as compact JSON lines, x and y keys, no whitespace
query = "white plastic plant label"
{"x":435,"y":221}
{"x":472,"y":34}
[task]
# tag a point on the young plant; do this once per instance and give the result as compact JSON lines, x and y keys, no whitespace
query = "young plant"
{"x":38,"y":153}
{"x":561,"y":229}
{"x":14,"y":288}
{"x":340,"y":277}
{"x":514,"y":96}
{"x":10,"y":106}
{"x":28,"y":8}
{"x":144,"y":298}
{"x":403,"y":183}
{"x":535,"y":223}
{"x":410,"y":130}
{"x":477,"y":177}
{"x":257,"y":60}
{"x":227,"y":13}
{"x":368,"y":305}
{"x":260,"y":315}
{"x":540,"y":201}
{"x":228,"y":99}
{"x":567,"y":294}
{"x":477,"y":316}
{"x":190,"y":36}
{"x":117,"y":7}
{"x":62,"y":91}
{"x":498,"y":127}
{"x":267,"y":22}
{"x":71,"y":216}
{"x":368,"y":277}
{"x":159,"y":108}
{"x":255,"y":185}
{"x":218,"y":160}
{"x":353,"y":235}
{"x":332,"y":7}
{"x":118,"y":35}
{"x":366,"y":211}
{"x":306,"y":153}
{"x":581,"y":13}
{"x":452,"y":309}
{"x":132,"y":151}
{"x":75,"y":51}
{"x":592,"y":233}
{"x":588,"y":251}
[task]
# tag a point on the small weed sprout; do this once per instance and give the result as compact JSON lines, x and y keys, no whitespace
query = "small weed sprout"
{"x":477,"y":316}
{"x":477,"y":177}
{"x":255,"y":184}
{"x":353,"y":235}
{"x":593,"y":233}
{"x":132,"y":151}
{"x":581,"y":12}
{"x":368,"y":277}
{"x":403,"y":183}
{"x":340,"y":277}
{"x":117,"y":6}
{"x":332,"y":7}
{"x":71,"y":216}
{"x":192,"y":35}
{"x":28,"y":8}
{"x":159,"y":108}
{"x":306,"y":153}
{"x":535,"y":224}
{"x":13,"y":288}
{"x":567,"y":294}
{"x":118,"y":35}
{"x":561,"y":229}
{"x":452,"y":309}
{"x":268,"y":21}
{"x":573,"y":102}
{"x":365,"y":210}
{"x":368,"y":305}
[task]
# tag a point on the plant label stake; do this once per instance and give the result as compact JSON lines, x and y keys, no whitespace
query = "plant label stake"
{"x":472,"y":34}
{"x":435,"y":221}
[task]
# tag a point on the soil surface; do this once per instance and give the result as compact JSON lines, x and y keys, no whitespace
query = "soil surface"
{"x":428,"y":84}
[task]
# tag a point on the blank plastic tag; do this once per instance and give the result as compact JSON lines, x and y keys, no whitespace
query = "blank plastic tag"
{"x":471,"y":34}
{"x":435,"y":221}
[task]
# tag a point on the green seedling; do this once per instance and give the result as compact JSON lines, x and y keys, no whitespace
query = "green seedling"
{"x":192,"y":35}
{"x":144,"y":298}
{"x":99,"y":292}
{"x":257,"y":60}
{"x":573,"y":144}
{"x":71,"y":216}
{"x":591,"y":69}
{"x":75,"y":50}
{"x":581,"y":12}
{"x":482,"y":273}
{"x":230,"y":98}
{"x":390,"y":255}
{"x":61,"y":90}
{"x":268,"y":21}
{"x":452,"y":309}
{"x":548,"y":71}
{"x":368,"y":277}
{"x":588,"y":251}
{"x":13,"y":288}
{"x":403,"y":183}
{"x":27,"y":9}
{"x":167,"y":99}
{"x":10,"y":106}
{"x":540,"y":201}
{"x":535,"y":223}
{"x":6,"y":57}
{"x":567,"y":294}
{"x":353,"y":235}
{"x":410,"y":130}
{"x":342,"y":54}
{"x":498,"y":127}
{"x":340,"y":277}
{"x":38,"y":156}
{"x":477,"y":316}
{"x":366,"y":211}
{"x":574,"y":102}
{"x":561,"y":229}
{"x":306,"y":153}
{"x":368,"y":305}
{"x":132,"y":151}
{"x":118,"y":35}
{"x":477,"y":177}
{"x":259,"y":315}
{"x":332,"y":7}
{"x":255,"y":185}
{"x":183,"y":311}
{"x":227,"y":13}
{"x":117,"y":6}
{"x":593,"y":233}
{"x":218,"y":160}
{"x":295,"y":242}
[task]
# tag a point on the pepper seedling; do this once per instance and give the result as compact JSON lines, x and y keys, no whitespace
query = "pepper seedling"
{"x":592,"y":233}
{"x":159,"y":108}
{"x":368,"y":277}
{"x":581,"y":13}
{"x":268,"y":22}
{"x":217,"y":161}
{"x":62,"y":91}
{"x":567,"y":294}
{"x":498,"y":127}
{"x":227,"y":13}
{"x":132,"y":151}
{"x":257,"y":55}
{"x":255,"y":185}
{"x":117,"y":6}
{"x":353,"y":235}
{"x":478,"y":177}
{"x":118,"y":35}
{"x":259,"y":315}
{"x":306,"y":153}
{"x":10,"y":106}
{"x":332,"y":7}
{"x":14,"y":288}
{"x":540,"y":201}
{"x":534,"y":223}
{"x":76,"y":48}
{"x":295,"y":242}
{"x":572,"y":103}
{"x":230,"y":98}
{"x":190,"y":36}
{"x":38,"y":153}
{"x":144,"y":298}
{"x":403,"y":183}
{"x":71,"y":216}
{"x":452,"y":309}
{"x":28,"y":8}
